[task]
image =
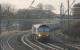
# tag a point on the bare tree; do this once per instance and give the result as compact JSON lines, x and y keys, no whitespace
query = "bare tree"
{"x":8,"y":11}
{"x":40,"y":6}
{"x":32,"y":3}
{"x":49,"y":7}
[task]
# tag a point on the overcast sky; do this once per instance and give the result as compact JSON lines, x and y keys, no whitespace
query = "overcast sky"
{"x":26,"y":3}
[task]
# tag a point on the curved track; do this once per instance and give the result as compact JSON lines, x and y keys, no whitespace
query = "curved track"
{"x":49,"y":46}
{"x":30,"y":44}
{"x":16,"y":43}
{"x":4,"y":43}
{"x":35,"y":44}
{"x":44,"y":46}
{"x":23,"y":41}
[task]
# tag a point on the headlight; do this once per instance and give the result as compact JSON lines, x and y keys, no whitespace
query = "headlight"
{"x":39,"y":35}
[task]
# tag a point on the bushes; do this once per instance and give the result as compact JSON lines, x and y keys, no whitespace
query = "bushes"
{"x":74,"y":31}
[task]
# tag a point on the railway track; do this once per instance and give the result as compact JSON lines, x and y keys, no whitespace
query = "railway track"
{"x":53,"y":46}
{"x":41,"y":46}
{"x":74,"y":46}
{"x":47,"y":47}
{"x":30,"y":44}
{"x":64,"y":46}
{"x":50,"y":46}
{"x":16,"y":43}
{"x":5,"y":45}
